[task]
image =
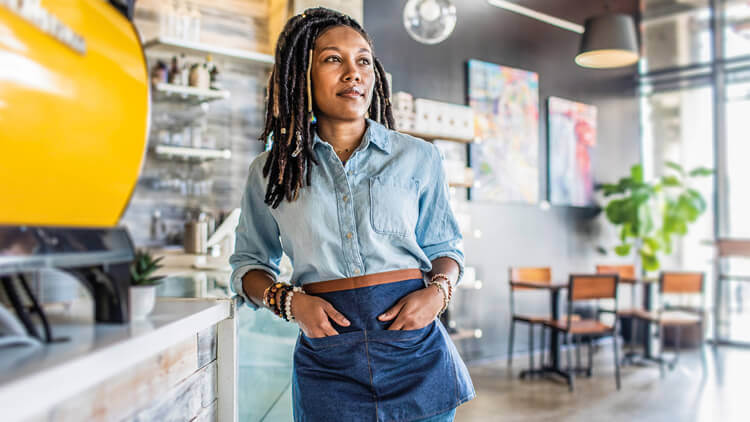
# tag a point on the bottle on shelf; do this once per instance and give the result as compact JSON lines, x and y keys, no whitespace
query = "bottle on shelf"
{"x":172,"y":19}
{"x":195,"y":24}
{"x":174,"y":72}
{"x":183,"y":21}
{"x":184,"y":71}
{"x":159,"y":72}
{"x":213,"y":73}
{"x":166,"y":19}
{"x":199,"y":76}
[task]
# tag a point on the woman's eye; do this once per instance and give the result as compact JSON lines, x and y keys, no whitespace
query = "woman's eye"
{"x":365,"y":61}
{"x":332,"y":58}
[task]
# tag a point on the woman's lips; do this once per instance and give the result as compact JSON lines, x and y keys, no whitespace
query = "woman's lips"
{"x":351,"y":93}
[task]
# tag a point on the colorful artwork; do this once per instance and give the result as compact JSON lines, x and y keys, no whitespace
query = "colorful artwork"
{"x":506,"y":121}
{"x":572,"y":137}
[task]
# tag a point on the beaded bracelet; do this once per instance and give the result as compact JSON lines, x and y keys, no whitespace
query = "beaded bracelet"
{"x":442,"y":289}
{"x":288,"y":303}
{"x":269,"y":295}
{"x":447,"y":280}
{"x":279,"y":311}
{"x":447,"y":292}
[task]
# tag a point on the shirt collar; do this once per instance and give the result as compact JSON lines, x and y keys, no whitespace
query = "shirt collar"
{"x":375,"y":133}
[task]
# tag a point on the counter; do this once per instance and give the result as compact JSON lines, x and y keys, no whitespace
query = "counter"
{"x":185,"y":350}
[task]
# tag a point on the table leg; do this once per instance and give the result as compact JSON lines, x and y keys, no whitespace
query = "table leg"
{"x":647,"y":305}
{"x":554,"y":344}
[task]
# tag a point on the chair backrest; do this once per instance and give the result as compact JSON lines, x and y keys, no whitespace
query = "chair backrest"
{"x":681,"y":282}
{"x":624,"y":271}
{"x":592,"y":286}
{"x":733,"y":247}
{"x":529,"y":274}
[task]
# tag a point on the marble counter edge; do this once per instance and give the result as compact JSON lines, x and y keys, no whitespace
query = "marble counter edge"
{"x":32,"y":394}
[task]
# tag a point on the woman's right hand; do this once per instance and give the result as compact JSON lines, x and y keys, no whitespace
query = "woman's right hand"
{"x":312,"y":313}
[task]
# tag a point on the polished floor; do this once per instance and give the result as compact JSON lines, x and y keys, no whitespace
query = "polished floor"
{"x":684,"y":394}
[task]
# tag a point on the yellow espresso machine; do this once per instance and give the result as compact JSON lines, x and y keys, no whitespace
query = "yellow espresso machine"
{"x":74,"y":107}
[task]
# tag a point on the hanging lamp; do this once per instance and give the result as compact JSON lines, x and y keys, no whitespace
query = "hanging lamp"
{"x":608,"y":41}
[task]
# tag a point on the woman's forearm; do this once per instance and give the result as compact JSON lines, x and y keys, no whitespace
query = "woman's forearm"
{"x":254,"y":283}
{"x":447,"y":266}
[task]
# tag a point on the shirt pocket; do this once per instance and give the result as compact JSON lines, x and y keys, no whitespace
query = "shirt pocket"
{"x":394,"y":205}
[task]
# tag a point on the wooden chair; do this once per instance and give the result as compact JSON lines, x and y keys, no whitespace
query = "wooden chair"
{"x":585,"y":288}
{"x":676,"y":317}
{"x":531,"y":275}
{"x":625,"y":272}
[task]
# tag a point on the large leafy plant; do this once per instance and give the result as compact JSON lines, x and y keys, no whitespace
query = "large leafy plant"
{"x":142,"y":268}
{"x":650,"y":214}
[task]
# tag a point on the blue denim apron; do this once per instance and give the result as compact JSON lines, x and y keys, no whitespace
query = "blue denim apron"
{"x":369,"y":373}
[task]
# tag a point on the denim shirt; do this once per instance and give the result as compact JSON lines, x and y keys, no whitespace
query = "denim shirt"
{"x":385,"y":209}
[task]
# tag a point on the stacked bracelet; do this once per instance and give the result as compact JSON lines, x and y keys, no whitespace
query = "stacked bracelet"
{"x":283,"y":306}
{"x":447,"y":291}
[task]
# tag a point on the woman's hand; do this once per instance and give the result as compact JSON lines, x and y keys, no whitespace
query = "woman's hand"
{"x":312,"y":312}
{"x":415,"y":310}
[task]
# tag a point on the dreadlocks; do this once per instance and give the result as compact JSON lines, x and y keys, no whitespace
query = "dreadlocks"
{"x":289,"y":105}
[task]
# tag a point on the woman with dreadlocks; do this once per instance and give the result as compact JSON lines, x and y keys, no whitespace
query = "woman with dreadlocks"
{"x":362,"y":211}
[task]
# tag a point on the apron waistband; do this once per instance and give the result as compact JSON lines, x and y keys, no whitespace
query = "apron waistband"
{"x":362,"y":281}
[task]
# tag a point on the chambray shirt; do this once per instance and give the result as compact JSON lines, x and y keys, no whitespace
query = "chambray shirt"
{"x":386,"y":209}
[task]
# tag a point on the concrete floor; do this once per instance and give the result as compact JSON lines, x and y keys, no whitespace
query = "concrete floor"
{"x":684,"y":394}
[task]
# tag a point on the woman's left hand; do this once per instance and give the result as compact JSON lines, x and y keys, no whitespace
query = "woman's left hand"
{"x":415,"y":310}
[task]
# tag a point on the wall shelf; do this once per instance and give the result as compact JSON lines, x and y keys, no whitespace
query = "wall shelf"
{"x":434,"y":137}
{"x":188,"y":153}
{"x":460,"y":184}
{"x":173,"y":45}
{"x":466,"y":333}
{"x":189,"y":94}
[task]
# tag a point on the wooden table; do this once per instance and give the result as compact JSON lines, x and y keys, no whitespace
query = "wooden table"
{"x":554,"y":344}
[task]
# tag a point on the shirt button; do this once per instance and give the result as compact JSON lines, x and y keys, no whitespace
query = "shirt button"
{"x":344,"y":198}
{"x":350,"y":172}
{"x":356,"y":271}
{"x":349,"y":235}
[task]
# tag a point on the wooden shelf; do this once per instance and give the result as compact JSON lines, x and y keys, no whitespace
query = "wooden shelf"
{"x":466,"y":333}
{"x":433,"y":137}
{"x":200,"y":154}
{"x":460,"y":185}
{"x":190,"y":94}
{"x":474,"y":285}
{"x":173,"y":45}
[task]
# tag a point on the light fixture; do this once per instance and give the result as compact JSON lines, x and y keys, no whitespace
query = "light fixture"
{"x":533,"y":14}
{"x":608,"y":41}
{"x":429,"y":21}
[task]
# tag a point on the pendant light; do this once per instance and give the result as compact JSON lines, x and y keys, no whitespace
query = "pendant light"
{"x":608,"y":41}
{"x":429,"y":21}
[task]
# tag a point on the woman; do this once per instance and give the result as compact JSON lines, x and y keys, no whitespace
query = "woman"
{"x":363,"y":213}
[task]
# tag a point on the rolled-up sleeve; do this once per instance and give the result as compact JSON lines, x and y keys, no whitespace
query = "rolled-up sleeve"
{"x":438,"y":233}
{"x":257,"y":244}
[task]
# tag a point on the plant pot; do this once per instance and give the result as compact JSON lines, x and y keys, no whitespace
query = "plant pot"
{"x":142,"y":301}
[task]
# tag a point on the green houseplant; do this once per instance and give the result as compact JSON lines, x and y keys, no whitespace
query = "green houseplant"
{"x":143,"y":284}
{"x":649,"y":215}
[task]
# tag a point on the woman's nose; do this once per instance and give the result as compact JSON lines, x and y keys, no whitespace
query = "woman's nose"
{"x":352,"y":73}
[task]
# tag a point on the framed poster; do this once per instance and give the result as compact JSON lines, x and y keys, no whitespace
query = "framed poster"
{"x":505,"y":101}
{"x":571,"y":138}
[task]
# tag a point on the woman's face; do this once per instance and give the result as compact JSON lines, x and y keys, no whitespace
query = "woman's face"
{"x":343,"y":74}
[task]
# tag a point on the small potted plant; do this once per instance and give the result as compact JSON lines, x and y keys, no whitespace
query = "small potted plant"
{"x":143,"y":284}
